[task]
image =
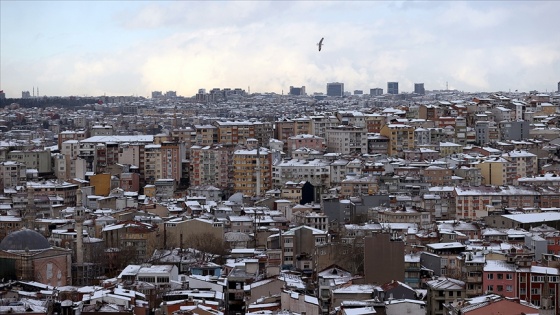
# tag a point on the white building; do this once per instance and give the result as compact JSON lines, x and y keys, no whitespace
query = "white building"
{"x":315,"y":171}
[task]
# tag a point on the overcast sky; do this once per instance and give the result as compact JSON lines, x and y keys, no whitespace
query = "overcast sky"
{"x":135,"y":47}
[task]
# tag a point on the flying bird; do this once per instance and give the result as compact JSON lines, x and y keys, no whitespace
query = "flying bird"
{"x":320,"y":44}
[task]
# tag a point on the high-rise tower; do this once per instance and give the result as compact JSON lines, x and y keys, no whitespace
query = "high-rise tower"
{"x":335,"y":89}
{"x":393,"y":87}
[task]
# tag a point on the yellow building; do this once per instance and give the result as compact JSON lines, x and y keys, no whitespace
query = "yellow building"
{"x":150,"y":191}
{"x":401,"y":137}
{"x":245,"y":171}
{"x":449,"y":148}
{"x":234,"y":132}
{"x":494,"y":171}
{"x":102,"y":184}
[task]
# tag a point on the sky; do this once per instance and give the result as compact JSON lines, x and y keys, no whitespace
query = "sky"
{"x":92,"y":48}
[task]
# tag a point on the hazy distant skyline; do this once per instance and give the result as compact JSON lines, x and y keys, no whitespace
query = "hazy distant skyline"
{"x":135,"y":47}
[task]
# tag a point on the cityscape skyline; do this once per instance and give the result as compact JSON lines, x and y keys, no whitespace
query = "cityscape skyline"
{"x":133,"y":48}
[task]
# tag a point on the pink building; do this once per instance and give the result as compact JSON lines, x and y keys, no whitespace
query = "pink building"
{"x":306,"y":141}
{"x":500,"y":277}
{"x":129,"y":181}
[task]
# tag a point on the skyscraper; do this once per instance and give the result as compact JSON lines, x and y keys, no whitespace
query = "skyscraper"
{"x":393,"y":87}
{"x":335,"y":89}
{"x":558,"y":87}
{"x":376,"y":91}
{"x":419,"y":88}
{"x":294,"y":90}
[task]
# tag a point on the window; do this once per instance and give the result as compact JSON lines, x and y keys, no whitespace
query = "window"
{"x":509,"y":276}
{"x":490,"y":288}
{"x":490,"y":276}
{"x":509,"y":288}
{"x":500,"y":276}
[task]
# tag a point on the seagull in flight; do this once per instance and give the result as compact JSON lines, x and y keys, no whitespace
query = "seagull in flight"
{"x":320,"y":43}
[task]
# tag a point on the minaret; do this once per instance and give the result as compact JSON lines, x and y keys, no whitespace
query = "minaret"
{"x":79,"y":217}
{"x":31,"y":212}
{"x":546,"y":298}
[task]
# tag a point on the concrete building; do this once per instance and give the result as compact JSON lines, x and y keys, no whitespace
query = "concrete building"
{"x":298,"y":246}
{"x":306,"y":141}
{"x":211,"y":165}
{"x":295,"y":170}
{"x":442,"y":291}
{"x":393,"y":88}
{"x":171,"y":161}
{"x":252,"y":171}
{"x":384,"y":258}
{"x":376,"y":91}
{"x":419,"y":88}
{"x":101,"y":130}
{"x":206,"y":134}
{"x":12,"y":174}
{"x":297,"y":91}
{"x":401,"y":137}
{"x":517,"y":130}
{"x":35,"y":159}
{"x":347,"y":139}
{"x":335,"y":89}
{"x":178,"y":233}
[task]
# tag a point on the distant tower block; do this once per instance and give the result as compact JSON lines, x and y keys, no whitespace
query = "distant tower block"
{"x":419,"y":88}
{"x":393,"y":87}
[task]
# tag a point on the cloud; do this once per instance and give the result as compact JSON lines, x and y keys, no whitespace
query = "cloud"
{"x":184,"y":45}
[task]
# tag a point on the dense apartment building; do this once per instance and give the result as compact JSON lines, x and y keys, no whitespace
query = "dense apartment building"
{"x":172,"y":158}
{"x":306,"y":141}
{"x":12,"y":174}
{"x":478,"y":202}
{"x":252,"y":171}
{"x":314,"y":171}
{"x":33,"y":159}
{"x":401,"y":137}
{"x":211,"y":165}
{"x":347,"y":139}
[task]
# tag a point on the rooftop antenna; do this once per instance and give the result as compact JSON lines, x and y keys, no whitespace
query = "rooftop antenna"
{"x":446,"y":85}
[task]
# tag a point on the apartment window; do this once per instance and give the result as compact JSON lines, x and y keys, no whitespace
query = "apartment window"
{"x":509,"y":288}
{"x":500,"y":276}
{"x":509,"y":276}
{"x":490,"y":276}
{"x":490,"y":288}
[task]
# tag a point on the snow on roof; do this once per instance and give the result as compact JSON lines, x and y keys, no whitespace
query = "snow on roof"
{"x":534,"y":217}
{"x":119,"y":139}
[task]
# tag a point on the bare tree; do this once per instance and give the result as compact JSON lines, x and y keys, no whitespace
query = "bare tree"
{"x":208,"y":245}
